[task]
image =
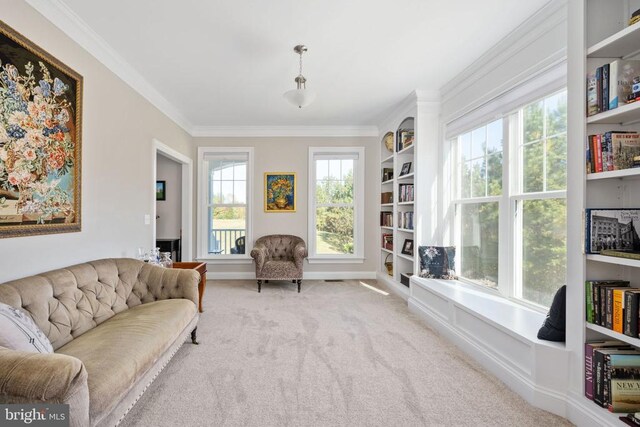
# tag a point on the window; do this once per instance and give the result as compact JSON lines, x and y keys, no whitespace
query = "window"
{"x":524,"y":256}
{"x":225,"y":194}
{"x":477,"y":202}
{"x":336,"y":204}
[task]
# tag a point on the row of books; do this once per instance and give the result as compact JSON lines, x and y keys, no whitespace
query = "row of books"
{"x":386,"y":219}
{"x":387,"y":241}
{"x":406,"y":192}
{"x":614,"y":150}
{"x":405,"y":220}
{"x":612,"y":85}
{"x":612,"y":375}
{"x":613,"y":305}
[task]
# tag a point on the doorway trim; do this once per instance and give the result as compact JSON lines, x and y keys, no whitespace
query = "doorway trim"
{"x":157,"y":147}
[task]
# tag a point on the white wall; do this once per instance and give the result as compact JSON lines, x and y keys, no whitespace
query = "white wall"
{"x":169,"y":211}
{"x":289,"y":154}
{"x":117,"y":178}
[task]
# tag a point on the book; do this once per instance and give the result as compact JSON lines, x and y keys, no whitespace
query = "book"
{"x":617,"y":309}
{"x":601,"y":386}
{"x":625,"y":147}
{"x":386,"y":197}
{"x":611,"y":228}
{"x":589,"y":348}
{"x":603,"y":305}
{"x":631,"y":312}
{"x":599,"y":88}
{"x":589,"y":310}
{"x":605,"y":87}
{"x":610,"y":307}
{"x":623,"y":381}
{"x":620,"y":254}
{"x":592,"y":97}
{"x":621,"y":74}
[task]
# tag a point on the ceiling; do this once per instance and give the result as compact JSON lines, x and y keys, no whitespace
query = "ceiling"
{"x":227,"y":63}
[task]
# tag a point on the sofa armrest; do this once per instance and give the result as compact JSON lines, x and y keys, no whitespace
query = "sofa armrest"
{"x":299,"y":254}
{"x":260,"y":254}
{"x":45,"y":378}
{"x":160,"y":283}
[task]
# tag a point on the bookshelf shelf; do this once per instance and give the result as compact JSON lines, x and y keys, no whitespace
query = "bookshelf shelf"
{"x":386,"y":250}
{"x":613,"y":334}
{"x":619,"y":45}
{"x":406,"y":257}
{"x":623,"y":115}
{"x":387,"y":159}
{"x":407,"y":176}
{"x":405,"y":203}
{"x":384,"y":227}
{"x":408,"y":150}
{"x":390,"y":181}
{"x":405,"y":230}
{"x":614,"y":174}
{"x":387,"y":205}
{"x":614,"y":260}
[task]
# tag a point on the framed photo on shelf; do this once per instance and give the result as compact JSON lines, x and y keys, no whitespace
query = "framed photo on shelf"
{"x":161,"y":190}
{"x":406,"y":139}
{"x":406,"y":169}
{"x":407,"y":248}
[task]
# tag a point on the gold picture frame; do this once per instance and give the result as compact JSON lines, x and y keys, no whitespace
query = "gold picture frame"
{"x":40,"y":140}
{"x":280,"y":192}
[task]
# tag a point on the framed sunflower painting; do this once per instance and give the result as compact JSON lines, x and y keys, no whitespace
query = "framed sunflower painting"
{"x":279,"y":192}
{"x":40,"y":140}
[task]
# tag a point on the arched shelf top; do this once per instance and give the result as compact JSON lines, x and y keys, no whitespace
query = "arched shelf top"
{"x":407,"y":124}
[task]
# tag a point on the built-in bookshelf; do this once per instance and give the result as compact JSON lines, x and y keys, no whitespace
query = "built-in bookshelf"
{"x":598,"y":37}
{"x":397,"y":172}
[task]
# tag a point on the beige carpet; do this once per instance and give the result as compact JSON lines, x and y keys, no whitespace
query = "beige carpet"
{"x":337,"y":354}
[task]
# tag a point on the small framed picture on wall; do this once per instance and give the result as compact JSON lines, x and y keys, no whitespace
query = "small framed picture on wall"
{"x":161,"y":190}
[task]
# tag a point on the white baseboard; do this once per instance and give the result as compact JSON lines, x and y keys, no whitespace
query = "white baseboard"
{"x":311,"y":275}
{"x":582,"y":412}
{"x":397,"y":288}
{"x":541,"y":397}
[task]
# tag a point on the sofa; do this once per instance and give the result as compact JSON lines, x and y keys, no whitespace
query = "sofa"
{"x":113,"y":325}
{"x":279,"y":257}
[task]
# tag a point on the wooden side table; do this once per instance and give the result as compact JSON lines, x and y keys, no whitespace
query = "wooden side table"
{"x":200,"y":267}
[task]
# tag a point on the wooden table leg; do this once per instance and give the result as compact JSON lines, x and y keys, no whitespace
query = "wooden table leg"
{"x":201,"y":287}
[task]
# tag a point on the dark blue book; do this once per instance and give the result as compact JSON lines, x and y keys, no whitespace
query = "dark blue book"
{"x":605,"y":87}
{"x":599,"y":88}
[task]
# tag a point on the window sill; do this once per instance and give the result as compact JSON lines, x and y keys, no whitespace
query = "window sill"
{"x":335,"y":260}
{"x":226,"y":259}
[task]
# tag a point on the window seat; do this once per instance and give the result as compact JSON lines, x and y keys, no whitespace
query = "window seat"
{"x":499,"y":334}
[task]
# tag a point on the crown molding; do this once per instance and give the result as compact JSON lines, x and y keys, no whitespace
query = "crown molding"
{"x":551,"y":15}
{"x":284,"y":131}
{"x":60,"y":15}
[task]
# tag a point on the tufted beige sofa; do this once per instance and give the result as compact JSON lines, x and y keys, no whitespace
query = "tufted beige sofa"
{"x":114,"y":324}
{"x":279,"y":257}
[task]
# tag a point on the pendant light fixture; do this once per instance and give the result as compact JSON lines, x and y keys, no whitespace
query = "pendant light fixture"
{"x":301,"y":96}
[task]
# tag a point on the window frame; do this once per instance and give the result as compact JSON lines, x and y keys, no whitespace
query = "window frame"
{"x":202,"y":239}
{"x":510,"y":202}
{"x":359,"y":166}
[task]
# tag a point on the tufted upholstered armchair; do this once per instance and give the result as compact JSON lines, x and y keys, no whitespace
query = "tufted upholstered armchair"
{"x":279,"y":257}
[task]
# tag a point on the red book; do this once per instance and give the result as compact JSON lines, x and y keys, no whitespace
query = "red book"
{"x":598,"y":143}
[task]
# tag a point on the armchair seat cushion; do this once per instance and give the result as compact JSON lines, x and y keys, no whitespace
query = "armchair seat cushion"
{"x":136,"y":338}
{"x":285,"y":270}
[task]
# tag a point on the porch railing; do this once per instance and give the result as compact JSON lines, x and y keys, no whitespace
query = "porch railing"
{"x":221,"y":241}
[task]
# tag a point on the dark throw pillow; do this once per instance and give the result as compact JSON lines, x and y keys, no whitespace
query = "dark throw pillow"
{"x":437,"y":262}
{"x":555,"y":325}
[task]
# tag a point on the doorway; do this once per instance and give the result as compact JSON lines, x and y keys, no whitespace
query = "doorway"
{"x":172,"y":205}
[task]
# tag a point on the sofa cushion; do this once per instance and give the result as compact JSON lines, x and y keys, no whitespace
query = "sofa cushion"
{"x":19,"y":332}
{"x":118,"y":352}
